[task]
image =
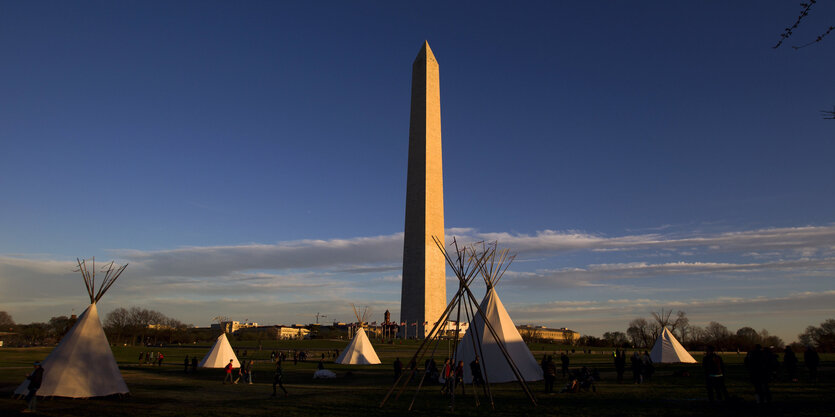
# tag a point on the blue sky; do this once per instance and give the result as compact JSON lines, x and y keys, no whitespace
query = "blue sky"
{"x":249,"y":160}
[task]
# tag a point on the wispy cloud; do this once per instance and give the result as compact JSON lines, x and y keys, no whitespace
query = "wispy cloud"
{"x":583,"y":276}
{"x":365,"y":269}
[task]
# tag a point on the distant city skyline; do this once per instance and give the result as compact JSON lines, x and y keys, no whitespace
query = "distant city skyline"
{"x":249,"y":161}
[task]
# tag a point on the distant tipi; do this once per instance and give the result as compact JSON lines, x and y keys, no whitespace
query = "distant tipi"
{"x":359,"y":351}
{"x":668,"y":350}
{"x":220,"y":354}
{"x":82,"y":365}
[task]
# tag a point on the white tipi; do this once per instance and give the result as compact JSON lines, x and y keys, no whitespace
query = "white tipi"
{"x":668,"y":350}
{"x":495,"y":364}
{"x":220,"y":354}
{"x":82,"y":365}
{"x":359,"y":351}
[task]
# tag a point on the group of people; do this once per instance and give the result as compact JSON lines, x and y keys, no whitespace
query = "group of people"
{"x":451,"y":375}
{"x":244,"y":372}
{"x":763,"y":366}
{"x":149,"y":358}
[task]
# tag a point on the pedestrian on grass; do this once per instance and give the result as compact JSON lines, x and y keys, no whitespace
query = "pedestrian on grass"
{"x":228,"y":368}
{"x":446,"y":375}
{"x":278,"y":378}
{"x":620,"y":364}
{"x":249,"y":367}
{"x":637,"y":365}
{"x":159,"y":359}
{"x":811,"y":360}
{"x":35,"y":380}
{"x":185,"y":365}
{"x":647,"y":368}
{"x":475,"y":369}
{"x":564,"y":364}
{"x":790,"y":363}
{"x":758,"y":372}
{"x":459,"y":377}
{"x":398,"y":368}
{"x":194,"y":364}
{"x":714,"y":369}
{"x":549,"y":371}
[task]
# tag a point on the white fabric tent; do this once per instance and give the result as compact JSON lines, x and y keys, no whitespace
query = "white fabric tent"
{"x":359,"y":351}
{"x":82,"y":365}
{"x":491,"y":357}
{"x":219,"y":355}
{"x":668,"y":350}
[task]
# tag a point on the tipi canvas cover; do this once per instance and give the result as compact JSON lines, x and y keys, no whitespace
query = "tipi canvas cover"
{"x":219,"y":355}
{"x":359,"y":351}
{"x":82,"y":365}
{"x":668,"y":350}
{"x":491,"y":358}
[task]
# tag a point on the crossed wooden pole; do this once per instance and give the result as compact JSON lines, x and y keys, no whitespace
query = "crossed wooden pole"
{"x":467,"y":265}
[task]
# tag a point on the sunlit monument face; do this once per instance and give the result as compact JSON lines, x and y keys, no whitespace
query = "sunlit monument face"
{"x":423,"y":296}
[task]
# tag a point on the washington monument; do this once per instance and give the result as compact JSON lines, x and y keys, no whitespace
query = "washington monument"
{"x":423,"y":295}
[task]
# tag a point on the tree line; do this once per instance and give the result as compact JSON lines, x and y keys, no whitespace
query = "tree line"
{"x":140,"y":326}
{"x":133,"y":326}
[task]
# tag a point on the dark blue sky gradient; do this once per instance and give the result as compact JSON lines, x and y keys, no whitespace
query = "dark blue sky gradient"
{"x":153,"y":125}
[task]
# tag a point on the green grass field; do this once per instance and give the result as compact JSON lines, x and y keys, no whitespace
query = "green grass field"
{"x":167,"y":391}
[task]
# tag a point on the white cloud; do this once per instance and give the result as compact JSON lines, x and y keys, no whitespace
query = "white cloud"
{"x":365,"y":268}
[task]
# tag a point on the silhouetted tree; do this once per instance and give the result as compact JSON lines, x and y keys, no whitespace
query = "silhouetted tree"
{"x":6,"y":322}
{"x":822,"y":337}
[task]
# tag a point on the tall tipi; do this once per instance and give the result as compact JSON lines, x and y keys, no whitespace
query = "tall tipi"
{"x":220,"y":354}
{"x":359,"y":351}
{"x":495,"y":365}
{"x":82,"y":365}
{"x":668,"y":350}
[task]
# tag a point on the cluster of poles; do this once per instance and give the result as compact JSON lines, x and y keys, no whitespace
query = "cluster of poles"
{"x":470,"y":262}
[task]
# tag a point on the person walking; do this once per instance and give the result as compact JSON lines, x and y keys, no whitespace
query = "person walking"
{"x":35,"y":380}
{"x":228,"y":368}
{"x":647,"y":368}
{"x":549,"y":372}
{"x":811,"y":360}
{"x":159,"y":359}
{"x":459,"y":378}
{"x":398,"y":368}
{"x":278,"y":378}
{"x":194,"y":364}
{"x":446,"y":374}
{"x":620,"y":364}
{"x":637,"y":372}
{"x":755,"y":362}
{"x":790,"y":363}
{"x":249,"y":366}
{"x":564,"y":364}
{"x":475,"y":369}
{"x":714,"y":368}
{"x":185,"y":365}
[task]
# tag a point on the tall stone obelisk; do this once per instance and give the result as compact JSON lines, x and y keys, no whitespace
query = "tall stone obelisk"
{"x":423,"y":296}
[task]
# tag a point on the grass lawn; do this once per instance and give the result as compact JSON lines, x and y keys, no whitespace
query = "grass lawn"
{"x":168,"y":391}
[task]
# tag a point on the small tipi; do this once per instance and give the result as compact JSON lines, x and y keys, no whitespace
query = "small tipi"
{"x":668,"y":350}
{"x":220,"y":354}
{"x":359,"y":351}
{"x":495,"y":364}
{"x":82,"y":365}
